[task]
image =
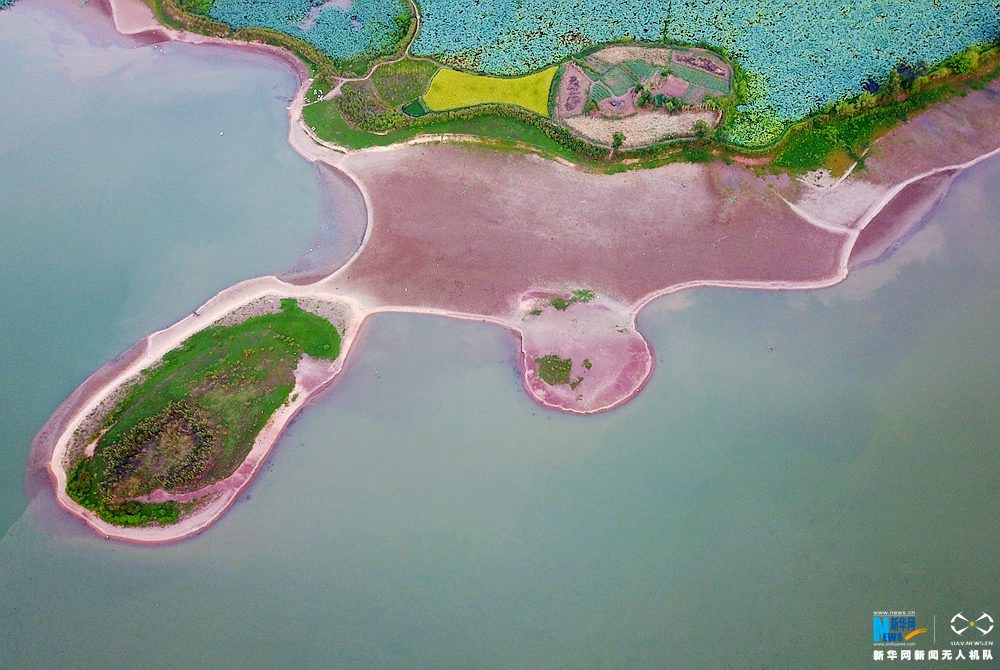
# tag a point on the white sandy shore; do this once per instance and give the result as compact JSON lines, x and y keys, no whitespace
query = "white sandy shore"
{"x":133,"y":17}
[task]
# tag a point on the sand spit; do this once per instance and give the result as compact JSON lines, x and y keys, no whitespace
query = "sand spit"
{"x":470,"y":233}
{"x":892,"y":223}
{"x":610,"y":360}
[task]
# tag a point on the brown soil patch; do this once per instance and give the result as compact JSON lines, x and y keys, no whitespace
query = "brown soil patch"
{"x":642,"y":129}
{"x":672,"y":87}
{"x":617,"y":105}
{"x":899,"y":217}
{"x":947,"y":134}
{"x":574,"y":91}
{"x":705,"y":61}
{"x":619,"y":54}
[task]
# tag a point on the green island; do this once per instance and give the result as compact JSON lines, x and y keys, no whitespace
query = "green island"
{"x":192,"y":419}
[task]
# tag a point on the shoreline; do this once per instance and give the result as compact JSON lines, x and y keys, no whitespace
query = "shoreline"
{"x":131,"y":18}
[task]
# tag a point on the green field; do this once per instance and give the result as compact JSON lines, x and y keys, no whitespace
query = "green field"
{"x":642,"y":70}
{"x":599,"y":91}
{"x":451,"y":89}
{"x":193,"y":418}
{"x":619,"y":79}
{"x":696,"y":76}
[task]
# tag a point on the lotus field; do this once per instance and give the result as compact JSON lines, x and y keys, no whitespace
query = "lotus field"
{"x":800,"y":54}
{"x":341,"y":29}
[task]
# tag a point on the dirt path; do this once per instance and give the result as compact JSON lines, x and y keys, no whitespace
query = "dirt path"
{"x":335,"y":91}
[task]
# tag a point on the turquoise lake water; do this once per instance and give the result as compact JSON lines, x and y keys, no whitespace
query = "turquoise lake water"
{"x":796,"y":461}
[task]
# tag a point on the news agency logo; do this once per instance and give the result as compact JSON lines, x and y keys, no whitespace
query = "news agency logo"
{"x":982,"y":624}
{"x":894,"y":627}
{"x":893,"y":633}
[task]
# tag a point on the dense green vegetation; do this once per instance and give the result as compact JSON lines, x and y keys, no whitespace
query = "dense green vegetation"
{"x":579,"y":295}
{"x":850,"y":125}
{"x":193,"y":418}
{"x":363,"y":108}
{"x":83,"y":486}
{"x":554,"y":370}
{"x":404,"y":81}
{"x":201,"y":7}
{"x":485,"y":122}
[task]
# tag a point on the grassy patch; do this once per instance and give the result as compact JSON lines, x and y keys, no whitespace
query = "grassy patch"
{"x":363,"y":108}
{"x":193,"y":418}
{"x":619,"y":79}
{"x":807,"y":150}
{"x":828,"y":135}
{"x":403,"y":82}
{"x":201,"y":7}
{"x":329,"y":124}
{"x":700,"y":77}
{"x":451,"y":89}
{"x":579,"y":295}
{"x":317,"y":90}
{"x":554,"y":370}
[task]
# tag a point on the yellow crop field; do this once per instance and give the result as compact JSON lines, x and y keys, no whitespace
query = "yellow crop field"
{"x":451,"y":89}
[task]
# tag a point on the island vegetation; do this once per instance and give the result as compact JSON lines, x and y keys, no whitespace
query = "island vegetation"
{"x":192,"y":419}
{"x":579,"y":295}
{"x":554,"y":370}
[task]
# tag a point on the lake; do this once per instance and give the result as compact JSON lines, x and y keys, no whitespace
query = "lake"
{"x":797,"y":460}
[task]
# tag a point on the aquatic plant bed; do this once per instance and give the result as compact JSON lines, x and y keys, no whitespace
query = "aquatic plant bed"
{"x":752,"y":124}
{"x":351,"y":34}
{"x":192,"y":419}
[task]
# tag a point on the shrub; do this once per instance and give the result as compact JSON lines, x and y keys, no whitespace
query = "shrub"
{"x":364,"y":109}
{"x":554,"y":370}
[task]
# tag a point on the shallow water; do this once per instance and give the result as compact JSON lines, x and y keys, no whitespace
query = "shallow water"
{"x":797,"y":460}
